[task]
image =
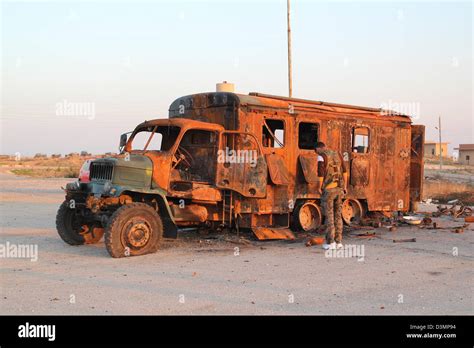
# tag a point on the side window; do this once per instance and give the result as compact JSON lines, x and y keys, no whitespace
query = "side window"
{"x":273,"y":133}
{"x":360,"y":140}
{"x":308,"y":135}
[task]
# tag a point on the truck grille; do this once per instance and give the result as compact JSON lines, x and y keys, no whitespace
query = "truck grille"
{"x":101,"y":171}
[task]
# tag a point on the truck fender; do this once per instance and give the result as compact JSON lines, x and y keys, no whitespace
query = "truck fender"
{"x":170,"y":230}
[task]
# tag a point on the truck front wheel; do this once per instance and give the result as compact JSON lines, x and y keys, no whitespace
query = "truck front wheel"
{"x":72,"y":229}
{"x":134,"y":229}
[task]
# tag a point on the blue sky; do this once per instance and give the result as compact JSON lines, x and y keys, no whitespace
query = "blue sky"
{"x":131,"y":59}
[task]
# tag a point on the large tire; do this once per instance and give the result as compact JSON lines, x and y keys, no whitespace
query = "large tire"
{"x":307,"y":217}
{"x":68,"y":225}
{"x":134,"y":229}
{"x":352,"y":211}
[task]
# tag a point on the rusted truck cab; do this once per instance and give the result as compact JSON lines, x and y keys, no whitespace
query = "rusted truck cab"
{"x":241,"y":161}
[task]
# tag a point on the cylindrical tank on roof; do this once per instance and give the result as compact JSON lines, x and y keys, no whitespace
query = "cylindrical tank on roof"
{"x":225,"y":87}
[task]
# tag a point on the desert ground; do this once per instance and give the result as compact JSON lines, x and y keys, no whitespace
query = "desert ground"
{"x":212,"y":274}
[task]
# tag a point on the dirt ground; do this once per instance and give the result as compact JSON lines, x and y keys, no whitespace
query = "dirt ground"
{"x":199,"y":274}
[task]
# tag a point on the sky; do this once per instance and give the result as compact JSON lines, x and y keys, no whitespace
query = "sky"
{"x":75,"y":75}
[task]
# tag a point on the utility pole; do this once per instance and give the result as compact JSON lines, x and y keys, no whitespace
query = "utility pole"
{"x":290,"y":83}
{"x":440,"y":145}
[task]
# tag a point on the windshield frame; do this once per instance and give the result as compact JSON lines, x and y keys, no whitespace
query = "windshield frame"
{"x":152,"y":129}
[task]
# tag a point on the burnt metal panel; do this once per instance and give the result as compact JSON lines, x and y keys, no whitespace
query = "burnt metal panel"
{"x":265,"y":233}
{"x":380,"y":176}
{"x":360,"y":171}
{"x":190,"y":213}
{"x":241,"y":177}
{"x":401,"y":162}
{"x":416,"y":162}
{"x":309,"y":166}
{"x":245,"y":177}
{"x":277,"y":169}
{"x":384,"y":186}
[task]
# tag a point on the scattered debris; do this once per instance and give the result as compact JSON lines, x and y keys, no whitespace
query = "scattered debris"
{"x":409,"y":240}
{"x":453,"y":211}
{"x":459,"y":229}
{"x":238,"y":241}
{"x":426,"y":221}
{"x":356,"y":227}
{"x":366,"y":235}
{"x":413,"y":220}
{"x":427,"y":201}
{"x":314,"y":241}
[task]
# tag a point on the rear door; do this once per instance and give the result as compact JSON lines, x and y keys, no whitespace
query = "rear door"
{"x":361,"y":158}
{"x":402,"y":168}
{"x":384,"y":189}
{"x":416,"y":163}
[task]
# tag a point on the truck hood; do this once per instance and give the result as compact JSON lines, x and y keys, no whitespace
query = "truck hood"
{"x":133,"y":170}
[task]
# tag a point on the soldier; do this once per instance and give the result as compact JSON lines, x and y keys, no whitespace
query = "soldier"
{"x":332,"y":174}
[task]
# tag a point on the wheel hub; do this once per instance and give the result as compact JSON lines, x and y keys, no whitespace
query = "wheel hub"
{"x":309,"y":217}
{"x":138,"y":234}
{"x":348,"y":211}
{"x":351,"y":211}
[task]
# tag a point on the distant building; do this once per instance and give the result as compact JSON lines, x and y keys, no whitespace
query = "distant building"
{"x":466,"y":154}
{"x":432,"y":149}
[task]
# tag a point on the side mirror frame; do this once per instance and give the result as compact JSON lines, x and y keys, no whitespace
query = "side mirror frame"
{"x":123,"y":140}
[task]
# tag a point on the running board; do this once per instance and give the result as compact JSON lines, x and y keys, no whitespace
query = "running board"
{"x":266,"y":233}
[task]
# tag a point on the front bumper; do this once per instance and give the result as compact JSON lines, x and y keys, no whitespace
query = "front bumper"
{"x":95,"y":188}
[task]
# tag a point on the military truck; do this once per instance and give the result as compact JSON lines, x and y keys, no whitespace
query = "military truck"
{"x":223,"y":159}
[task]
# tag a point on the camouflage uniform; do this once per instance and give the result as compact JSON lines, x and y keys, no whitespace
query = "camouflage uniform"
{"x":332,"y":209}
{"x":332,"y":192}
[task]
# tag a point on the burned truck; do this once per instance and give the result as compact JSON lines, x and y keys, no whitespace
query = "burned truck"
{"x":223,"y":159}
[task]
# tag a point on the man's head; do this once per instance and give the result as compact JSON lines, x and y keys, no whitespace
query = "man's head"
{"x":320,"y":147}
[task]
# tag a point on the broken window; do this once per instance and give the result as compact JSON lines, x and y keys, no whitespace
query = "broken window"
{"x":308,"y":135}
{"x":360,"y":140}
{"x":196,"y":155}
{"x":273,"y":133}
{"x":160,"y":138}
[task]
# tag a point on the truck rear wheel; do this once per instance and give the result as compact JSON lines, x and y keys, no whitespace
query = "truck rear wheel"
{"x":352,"y":211}
{"x":134,"y":229}
{"x":72,"y":229}
{"x":307,"y":216}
